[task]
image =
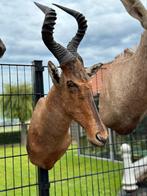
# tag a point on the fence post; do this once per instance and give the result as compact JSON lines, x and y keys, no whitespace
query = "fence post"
{"x":111,"y":144}
{"x":38,"y":69}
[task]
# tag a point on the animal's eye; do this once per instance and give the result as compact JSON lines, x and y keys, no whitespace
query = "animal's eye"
{"x":72,"y":86}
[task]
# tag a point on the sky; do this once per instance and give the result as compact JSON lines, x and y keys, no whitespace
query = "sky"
{"x":110,"y":30}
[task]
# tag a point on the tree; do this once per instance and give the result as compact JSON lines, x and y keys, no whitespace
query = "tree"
{"x":17,"y":103}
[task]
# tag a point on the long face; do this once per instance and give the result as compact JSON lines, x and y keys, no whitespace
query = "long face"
{"x":78,"y":102}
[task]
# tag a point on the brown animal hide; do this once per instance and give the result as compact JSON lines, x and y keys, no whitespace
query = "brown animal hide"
{"x":48,"y":136}
{"x":123,"y":98}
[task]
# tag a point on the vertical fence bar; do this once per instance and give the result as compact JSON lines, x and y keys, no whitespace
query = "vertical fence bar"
{"x":38,"y":69}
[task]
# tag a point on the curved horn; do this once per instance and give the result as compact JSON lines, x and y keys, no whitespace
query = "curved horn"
{"x":61,"y":53}
{"x":82,"y":26}
{"x":2,"y":48}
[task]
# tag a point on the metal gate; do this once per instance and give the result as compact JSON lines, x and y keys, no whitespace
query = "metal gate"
{"x":83,"y":170}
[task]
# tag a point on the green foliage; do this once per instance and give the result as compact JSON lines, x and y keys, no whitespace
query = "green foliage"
{"x":10,"y":138}
{"x":16,"y":102}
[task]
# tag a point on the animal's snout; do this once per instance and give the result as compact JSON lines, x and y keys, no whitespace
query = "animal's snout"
{"x":101,"y":139}
{"x":98,"y":139}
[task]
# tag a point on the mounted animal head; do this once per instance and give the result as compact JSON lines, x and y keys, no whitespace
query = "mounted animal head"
{"x":2,"y":48}
{"x":72,"y":86}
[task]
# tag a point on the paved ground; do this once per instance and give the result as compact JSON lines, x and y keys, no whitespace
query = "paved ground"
{"x":139,"y":192}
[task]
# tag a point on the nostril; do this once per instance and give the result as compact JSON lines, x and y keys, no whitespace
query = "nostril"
{"x":100,"y":139}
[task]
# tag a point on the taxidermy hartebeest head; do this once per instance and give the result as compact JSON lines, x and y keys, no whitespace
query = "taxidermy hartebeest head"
{"x":2,"y":48}
{"x":123,"y":99}
{"x":69,"y":99}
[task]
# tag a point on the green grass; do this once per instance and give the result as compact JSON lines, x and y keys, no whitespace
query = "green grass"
{"x":97,"y":177}
{"x":16,"y":172}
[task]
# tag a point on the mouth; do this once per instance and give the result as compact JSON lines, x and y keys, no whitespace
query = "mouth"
{"x":98,"y":141}
{"x":101,"y":139}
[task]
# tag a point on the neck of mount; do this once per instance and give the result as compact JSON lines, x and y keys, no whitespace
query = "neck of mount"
{"x":58,"y":117}
{"x":141,"y":52}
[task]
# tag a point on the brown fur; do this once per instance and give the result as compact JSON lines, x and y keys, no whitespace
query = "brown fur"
{"x":123,"y":100}
{"x":48,"y":135}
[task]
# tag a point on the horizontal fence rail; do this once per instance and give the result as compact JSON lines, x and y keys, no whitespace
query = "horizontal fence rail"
{"x":83,"y":170}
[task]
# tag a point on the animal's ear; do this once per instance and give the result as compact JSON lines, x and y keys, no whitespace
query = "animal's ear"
{"x":72,"y":86}
{"x":53,"y":72}
{"x":91,"y":71}
{"x":135,"y":8}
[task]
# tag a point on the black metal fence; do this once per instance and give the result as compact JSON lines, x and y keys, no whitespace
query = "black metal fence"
{"x":83,"y":170}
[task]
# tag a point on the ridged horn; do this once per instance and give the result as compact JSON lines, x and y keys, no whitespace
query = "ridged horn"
{"x":43,"y":8}
{"x":2,"y":48}
{"x":61,"y":53}
{"x":82,"y":26}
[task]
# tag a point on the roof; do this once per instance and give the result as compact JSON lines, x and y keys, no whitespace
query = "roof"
{"x":97,"y":79}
